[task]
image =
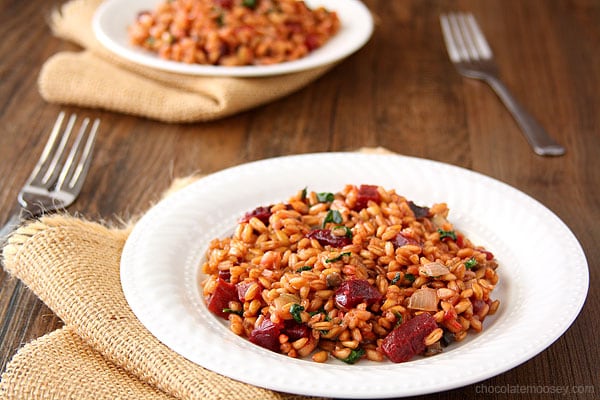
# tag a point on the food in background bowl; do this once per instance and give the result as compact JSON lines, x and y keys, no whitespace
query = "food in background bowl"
{"x":363,"y":273}
{"x":233,"y":32}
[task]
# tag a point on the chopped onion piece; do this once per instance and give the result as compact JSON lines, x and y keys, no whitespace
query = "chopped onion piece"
{"x":433,"y":269}
{"x":439,"y":221}
{"x":423,"y":299}
{"x":285,"y":299}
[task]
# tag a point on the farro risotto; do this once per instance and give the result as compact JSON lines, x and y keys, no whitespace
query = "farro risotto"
{"x":233,"y":32}
{"x":359,"y":274}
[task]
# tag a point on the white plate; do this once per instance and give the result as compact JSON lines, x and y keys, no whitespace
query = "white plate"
{"x":112,"y":18}
{"x":538,"y":255}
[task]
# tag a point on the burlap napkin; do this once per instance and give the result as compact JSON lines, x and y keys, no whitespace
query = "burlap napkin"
{"x":103,"y":351}
{"x":97,"y":78}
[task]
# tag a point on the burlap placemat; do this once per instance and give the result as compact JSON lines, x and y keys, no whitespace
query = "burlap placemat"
{"x":97,"y":78}
{"x":103,"y":352}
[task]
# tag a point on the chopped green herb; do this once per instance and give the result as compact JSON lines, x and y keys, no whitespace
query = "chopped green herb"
{"x":220,"y":20}
{"x":150,"y":41}
{"x":295,"y":310}
{"x":354,"y":356}
{"x":249,"y":3}
{"x":304,"y":268}
{"x":338,"y":258}
{"x":396,"y":278}
{"x":409,"y":277}
{"x":320,"y":311}
{"x":230,"y":311}
{"x":333,"y":216}
{"x":447,"y":234}
{"x":470,"y":263}
{"x":398,"y":318}
{"x":303,"y":195}
{"x":325,"y":197}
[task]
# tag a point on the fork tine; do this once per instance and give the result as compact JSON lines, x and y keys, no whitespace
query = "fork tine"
{"x":449,"y":39}
{"x":73,"y":174}
{"x":467,"y":36}
{"x":52,"y":169}
{"x":482,"y":46}
{"x":464,"y":39}
{"x":48,"y":148}
{"x":455,"y":35}
{"x":46,"y":171}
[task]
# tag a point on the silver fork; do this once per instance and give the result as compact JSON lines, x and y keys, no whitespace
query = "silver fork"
{"x":473,"y":58}
{"x":54,"y":183}
{"x":58,"y":176}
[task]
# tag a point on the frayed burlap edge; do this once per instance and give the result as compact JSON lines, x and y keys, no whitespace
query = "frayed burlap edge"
{"x":73,"y":266}
{"x":90,"y":358}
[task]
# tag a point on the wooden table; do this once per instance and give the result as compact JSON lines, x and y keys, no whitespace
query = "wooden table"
{"x":401,"y":92}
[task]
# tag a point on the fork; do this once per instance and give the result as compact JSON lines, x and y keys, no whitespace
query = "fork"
{"x":54,"y":184}
{"x":473,"y":58}
{"x":57,"y":178}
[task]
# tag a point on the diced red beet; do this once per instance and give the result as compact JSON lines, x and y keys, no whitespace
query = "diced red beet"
{"x":366,"y":193}
{"x":266,"y":335}
{"x":406,"y":341}
{"x":488,"y":254}
{"x":294,"y":330}
{"x":326,"y":237}
{"x":401,"y":240}
{"x":294,"y":27}
{"x":225,"y":275}
{"x":460,"y":240}
{"x":355,"y":291}
{"x":311,"y":42}
{"x":420,"y":212}
{"x":262,"y":213}
{"x":219,"y":300}
{"x":224,"y":3}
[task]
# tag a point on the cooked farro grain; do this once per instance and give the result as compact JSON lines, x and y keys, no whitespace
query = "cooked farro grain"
{"x":346,"y":274}
{"x":233,"y":32}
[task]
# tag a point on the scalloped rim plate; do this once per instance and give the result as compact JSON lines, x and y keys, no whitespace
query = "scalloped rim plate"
{"x":538,"y":255}
{"x":112,"y":18}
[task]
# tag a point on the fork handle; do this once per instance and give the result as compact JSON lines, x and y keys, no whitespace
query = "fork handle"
{"x":535,"y":134}
{"x":11,"y":225}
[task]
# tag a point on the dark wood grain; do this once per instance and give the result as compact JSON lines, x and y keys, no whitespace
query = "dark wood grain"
{"x":400,"y":91}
